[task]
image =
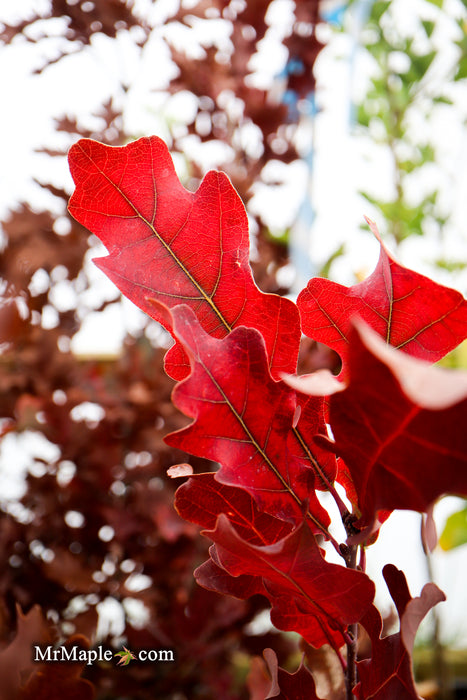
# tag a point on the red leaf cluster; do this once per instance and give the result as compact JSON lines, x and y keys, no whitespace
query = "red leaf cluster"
{"x":23,"y":678}
{"x":395,"y":420}
{"x":257,"y":553}
{"x":110,"y":472}
{"x":230,"y":378}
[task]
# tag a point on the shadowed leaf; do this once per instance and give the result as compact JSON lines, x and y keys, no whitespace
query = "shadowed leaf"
{"x":308,"y":595}
{"x":289,"y":686}
{"x":396,"y":426}
{"x":388,"y":674}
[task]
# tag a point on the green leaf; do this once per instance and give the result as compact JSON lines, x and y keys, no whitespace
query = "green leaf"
{"x":379,"y":8}
{"x":419,"y":66}
{"x":428,"y":27}
{"x":363,"y":117}
{"x":324,"y":271}
{"x":455,"y":531}
{"x":451,"y":265}
{"x":442,"y":100}
{"x":462,"y":69}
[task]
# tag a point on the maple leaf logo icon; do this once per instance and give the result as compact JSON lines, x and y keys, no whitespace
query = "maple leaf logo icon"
{"x":126,"y":657}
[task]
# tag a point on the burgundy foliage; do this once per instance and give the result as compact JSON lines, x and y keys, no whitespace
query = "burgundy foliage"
{"x":252,"y":447}
{"x":396,"y":425}
{"x":25,"y":679}
{"x":395,"y":420}
{"x":289,"y":686}
{"x":170,"y":247}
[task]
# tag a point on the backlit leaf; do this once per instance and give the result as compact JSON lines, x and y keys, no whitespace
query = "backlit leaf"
{"x":175,"y":247}
{"x":243,"y":419}
{"x":410,"y":311}
{"x":202,"y":498}
{"x":308,"y":595}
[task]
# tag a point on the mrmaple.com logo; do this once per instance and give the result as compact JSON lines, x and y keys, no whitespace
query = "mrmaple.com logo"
{"x":51,"y":654}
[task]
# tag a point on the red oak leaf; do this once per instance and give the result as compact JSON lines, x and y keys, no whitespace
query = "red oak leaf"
{"x":410,"y":311}
{"x":311,"y":419}
{"x":289,"y":686}
{"x":175,"y":247}
{"x":55,"y":681}
{"x":397,"y":427}
{"x":213,"y":577}
{"x":388,"y":674}
{"x":308,"y":595}
{"x":201,"y":499}
{"x":243,"y":419}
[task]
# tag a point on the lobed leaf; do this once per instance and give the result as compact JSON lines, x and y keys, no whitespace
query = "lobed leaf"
{"x":388,"y":673}
{"x":202,"y":498}
{"x":16,"y":660}
{"x":256,"y":553}
{"x":174,"y":247}
{"x":23,"y":678}
{"x":55,"y":681}
{"x":289,"y":686}
{"x":410,"y":311}
{"x":308,"y":595}
{"x":243,"y":419}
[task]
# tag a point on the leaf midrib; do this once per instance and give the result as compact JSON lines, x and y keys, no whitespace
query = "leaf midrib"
{"x":206,"y":297}
{"x":260,"y":450}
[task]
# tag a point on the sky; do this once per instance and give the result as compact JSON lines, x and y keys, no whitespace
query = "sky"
{"x":344,"y":162}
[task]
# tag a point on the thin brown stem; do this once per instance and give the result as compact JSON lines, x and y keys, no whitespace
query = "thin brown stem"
{"x":352,"y":632}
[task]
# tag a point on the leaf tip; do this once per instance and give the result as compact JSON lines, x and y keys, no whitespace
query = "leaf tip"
{"x":373,"y":228}
{"x":179,"y":470}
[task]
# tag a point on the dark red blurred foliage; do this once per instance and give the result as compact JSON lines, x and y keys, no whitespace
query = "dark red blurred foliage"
{"x":113,"y":471}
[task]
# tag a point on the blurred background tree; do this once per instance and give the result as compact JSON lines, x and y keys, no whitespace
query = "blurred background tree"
{"x":93,"y":538}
